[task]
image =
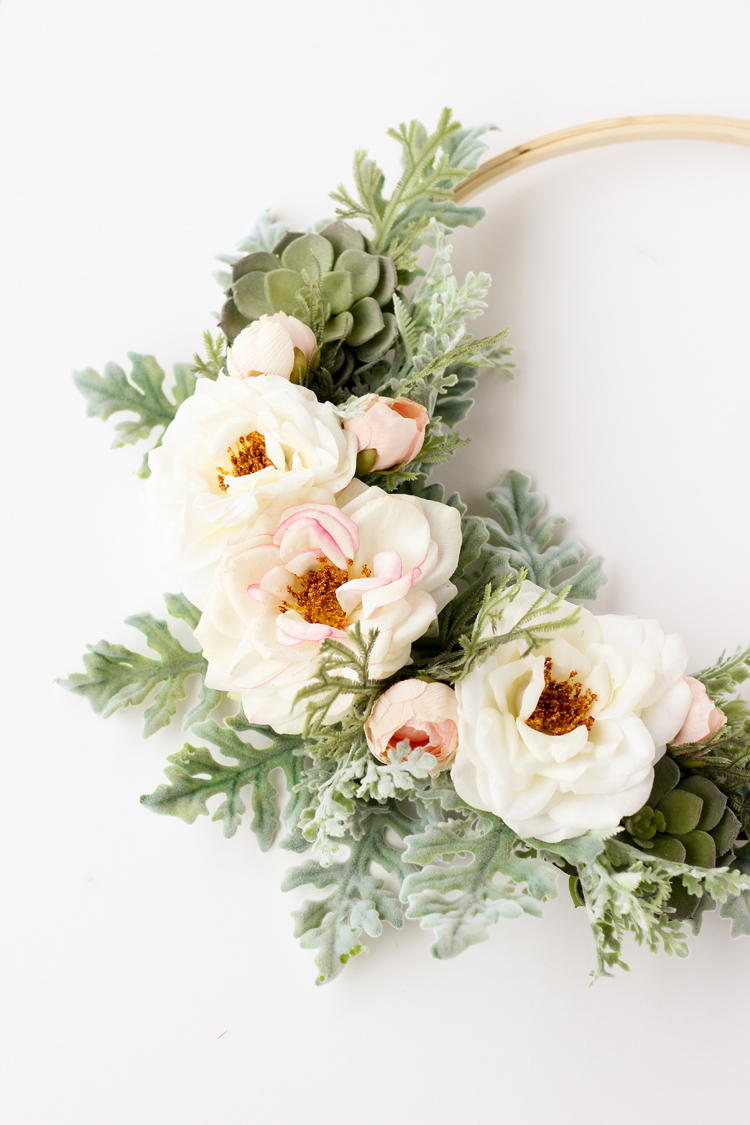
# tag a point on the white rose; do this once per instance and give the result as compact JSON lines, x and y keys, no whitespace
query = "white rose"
{"x":309,"y":569}
{"x":233,"y":447}
{"x":554,"y":759}
{"x":271,"y":346}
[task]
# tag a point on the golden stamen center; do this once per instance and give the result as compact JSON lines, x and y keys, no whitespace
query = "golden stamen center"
{"x":250,"y":457}
{"x":316,"y":598}
{"x":562,"y":706}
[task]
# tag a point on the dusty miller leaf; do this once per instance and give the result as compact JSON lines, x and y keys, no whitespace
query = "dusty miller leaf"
{"x":141,"y":393}
{"x":195,"y":776}
{"x":465,"y":920}
{"x":737,"y":908}
{"x":359,"y":901}
{"x":116,"y":677}
{"x":524,"y":545}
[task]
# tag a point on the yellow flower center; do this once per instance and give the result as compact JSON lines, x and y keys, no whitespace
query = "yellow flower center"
{"x":249,"y":456}
{"x":562,"y":706}
{"x":316,"y":599}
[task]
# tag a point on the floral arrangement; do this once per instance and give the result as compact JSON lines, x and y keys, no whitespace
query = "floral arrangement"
{"x":437,"y":700}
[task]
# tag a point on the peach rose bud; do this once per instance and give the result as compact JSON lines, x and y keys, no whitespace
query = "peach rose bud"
{"x":703,"y":719}
{"x":393,"y":429}
{"x":273,"y":345}
{"x":426,"y":715}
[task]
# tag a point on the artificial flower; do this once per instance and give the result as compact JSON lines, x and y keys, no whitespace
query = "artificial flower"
{"x":271,"y":345}
{"x":392,"y":429}
{"x":311,"y":568}
{"x":423,"y":714}
{"x":703,"y":719}
{"x":234,"y":446}
{"x":563,"y":740}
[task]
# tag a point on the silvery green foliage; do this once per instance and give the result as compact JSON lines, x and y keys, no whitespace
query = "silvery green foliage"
{"x":141,"y":394}
{"x":116,"y":677}
{"x":461,"y":902}
{"x":723,"y":678}
{"x":359,"y":901}
{"x":737,"y":907}
{"x":432,"y":166}
{"x":195,"y":776}
{"x":339,"y":788}
{"x":628,"y":891}
{"x":525,"y":544}
{"x":439,"y":305}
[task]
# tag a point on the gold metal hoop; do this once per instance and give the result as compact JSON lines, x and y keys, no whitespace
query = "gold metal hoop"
{"x":660,"y":127}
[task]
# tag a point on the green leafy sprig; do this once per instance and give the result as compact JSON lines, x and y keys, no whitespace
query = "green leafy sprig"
{"x":215,"y":348}
{"x":343,"y":671}
{"x":533,"y":628}
{"x":460,"y":902}
{"x":195,"y":776}
{"x":524,"y":544}
{"x":433,"y":165}
{"x":141,"y":394}
{"x":116,"y":677}
{"x":359,"y":901}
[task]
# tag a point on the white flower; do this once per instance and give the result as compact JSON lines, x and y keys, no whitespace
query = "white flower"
{"x":268,"y":345}
{"x":233,"y":447}
{"x":310,"y":569}
{"x":555,"y":760}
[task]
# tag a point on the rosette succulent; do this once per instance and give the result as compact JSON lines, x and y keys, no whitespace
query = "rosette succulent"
{"x":684,"y":821}
{"x":356,"y":289}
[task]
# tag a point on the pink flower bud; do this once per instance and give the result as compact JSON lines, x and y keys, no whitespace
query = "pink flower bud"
{"x":394,"y":428}
{"x":426,"y":715}
{"x":268,"y":346}
{"x":703,"y":719}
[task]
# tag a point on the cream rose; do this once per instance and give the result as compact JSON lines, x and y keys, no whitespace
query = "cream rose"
{"x":563,"y":740}
{"x":271,"y":345}
{"x":233,"y":447}
{"x":424,"y":715}
{"x":310,"y":569}
{"x":392,"y":429}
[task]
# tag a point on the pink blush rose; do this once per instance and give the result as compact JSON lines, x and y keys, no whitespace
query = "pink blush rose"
{"x":703,"y":719}
{"x":425,"y":715}
{"x":393,"y":428}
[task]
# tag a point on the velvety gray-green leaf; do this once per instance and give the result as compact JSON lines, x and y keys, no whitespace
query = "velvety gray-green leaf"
{"x":116,"y":677}
{"x":464,"y":920}
{"x":359,"y":900}
{"x":140,"y":393}
{"x":523,"y":543}
{"x":195,"y":776}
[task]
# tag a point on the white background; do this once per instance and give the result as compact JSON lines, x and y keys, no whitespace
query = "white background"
{"x":149,"y":970}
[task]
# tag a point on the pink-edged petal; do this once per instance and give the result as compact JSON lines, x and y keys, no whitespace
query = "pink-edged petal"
{"x":291,"y":629}
{"x":307,"y":526}
{"x":373,"y":600}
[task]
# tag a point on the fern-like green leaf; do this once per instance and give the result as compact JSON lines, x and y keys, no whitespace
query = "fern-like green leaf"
{"x":195,"y":776}
{"x":116,"y":677}
{"x":359,"y":900}
{"x":522,"y":544}
{"x":433,"y":164}
{"x":723,"y":678}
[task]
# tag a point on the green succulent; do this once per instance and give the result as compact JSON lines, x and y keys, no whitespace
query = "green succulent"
{"x":329,"y":279}
{"x":684,"y":821}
